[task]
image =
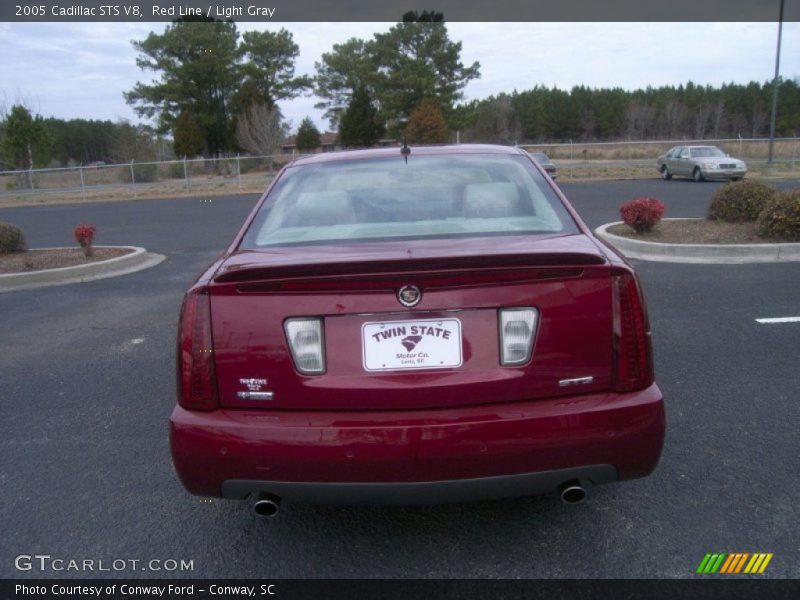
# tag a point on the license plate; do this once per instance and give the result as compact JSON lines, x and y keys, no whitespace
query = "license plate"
{"x":404,"y":345}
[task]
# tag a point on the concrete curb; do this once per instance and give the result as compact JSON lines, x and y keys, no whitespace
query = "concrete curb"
{"x":138,"y":260}
{"x":723,"y":254}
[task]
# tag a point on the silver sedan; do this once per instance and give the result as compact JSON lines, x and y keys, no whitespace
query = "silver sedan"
{"x":700,"y":163}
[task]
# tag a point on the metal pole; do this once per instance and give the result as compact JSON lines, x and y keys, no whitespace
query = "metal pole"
{"x":238,"y":171}
{"x":185,"y":172}
{"x":83,"y":187}
{"x":30,"y":177}
{"x":133,"y":178}
{"x":775,"y":88}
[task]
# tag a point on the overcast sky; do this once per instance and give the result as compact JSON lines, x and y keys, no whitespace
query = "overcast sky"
{"x":79,"y":70}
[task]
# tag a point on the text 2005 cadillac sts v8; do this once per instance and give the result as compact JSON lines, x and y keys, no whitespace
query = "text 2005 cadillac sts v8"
{"x":422,"y":325}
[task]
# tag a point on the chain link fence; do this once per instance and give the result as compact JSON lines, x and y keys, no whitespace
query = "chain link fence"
{"x":236,"y":173}
{"x":637,"y":159}
{"x":593,"y":160}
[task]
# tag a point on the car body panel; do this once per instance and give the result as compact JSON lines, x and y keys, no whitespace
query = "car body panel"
{"x":444,"y":428}
{"x":624,"y":430}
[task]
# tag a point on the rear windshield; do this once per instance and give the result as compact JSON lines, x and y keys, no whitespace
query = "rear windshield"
{"x":427,"y":197}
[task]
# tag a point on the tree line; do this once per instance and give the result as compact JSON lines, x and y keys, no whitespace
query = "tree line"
{"x":31,"y":141}
{"x":216,"y":91}
{"x":688,"y":111}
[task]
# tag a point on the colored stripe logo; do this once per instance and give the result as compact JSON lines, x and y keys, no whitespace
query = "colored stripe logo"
{"x":734,"y":563}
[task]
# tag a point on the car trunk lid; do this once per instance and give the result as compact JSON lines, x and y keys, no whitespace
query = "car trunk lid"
{"x":354,"y":289}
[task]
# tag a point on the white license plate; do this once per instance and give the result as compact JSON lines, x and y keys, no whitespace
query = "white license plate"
{"x":401,"y":345}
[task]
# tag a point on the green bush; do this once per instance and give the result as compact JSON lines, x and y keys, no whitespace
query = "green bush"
{"x":144,"y":173}
{"x":175,"y":170}
{"x":781,"y":217}
{"x":11,"y":239}
{"x":740,"y":201}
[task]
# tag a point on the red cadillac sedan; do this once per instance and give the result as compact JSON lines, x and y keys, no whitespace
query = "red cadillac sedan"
{"x":409,"y":326}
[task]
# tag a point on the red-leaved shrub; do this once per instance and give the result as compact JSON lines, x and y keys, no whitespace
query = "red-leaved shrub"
{"x":642,"y":214}
{"x":84,"y":235}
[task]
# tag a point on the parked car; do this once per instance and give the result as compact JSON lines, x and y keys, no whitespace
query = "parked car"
{"x":546,"y":163}
{"x":700,"y":163}
{"x":425,"y":325}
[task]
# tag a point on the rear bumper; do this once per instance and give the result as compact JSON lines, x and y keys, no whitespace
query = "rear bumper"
{"x":423,"y":492}
{"x":438,"y":455}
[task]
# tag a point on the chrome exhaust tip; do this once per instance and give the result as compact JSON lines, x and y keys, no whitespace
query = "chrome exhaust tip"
{"x":572,"y":492}
{"x":267,"y":505}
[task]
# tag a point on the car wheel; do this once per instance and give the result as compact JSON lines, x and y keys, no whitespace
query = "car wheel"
{"x":736,"y":179}
{"x":698,"y":175}
{"x":665,"y":174}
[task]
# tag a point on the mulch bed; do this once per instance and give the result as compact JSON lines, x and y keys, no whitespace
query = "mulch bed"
{"x":696,"y":231}
{"x":37,"y":260}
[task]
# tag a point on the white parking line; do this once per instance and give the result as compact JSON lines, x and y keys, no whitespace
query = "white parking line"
{"x":780,"y":320}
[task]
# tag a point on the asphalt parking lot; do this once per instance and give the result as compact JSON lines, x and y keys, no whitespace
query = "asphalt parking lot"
{"x":86,"y":388}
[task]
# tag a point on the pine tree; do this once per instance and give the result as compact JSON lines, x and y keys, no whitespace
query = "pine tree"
{"x":360,"y":127}
{"x":26,"y":140}
{"x":188,"y":135}
{"x":307,"y":136}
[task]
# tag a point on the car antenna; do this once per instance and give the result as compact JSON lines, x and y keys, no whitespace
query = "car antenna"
{"x":405,"y":150}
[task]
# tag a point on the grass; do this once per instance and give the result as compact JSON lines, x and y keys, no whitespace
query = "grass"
{"x":168,"y":189}
{"x":255,"y":182}
{"x":746,"y":150}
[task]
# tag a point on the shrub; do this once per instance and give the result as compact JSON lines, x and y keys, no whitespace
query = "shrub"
{"x":11,"y":239}
{"x":642,"y":214}
{"x":740,"y":201}
{"x":175,"y":170}
{"x":781,"y":217}
{"x":144,"y":173}
{"x":84,"y":235}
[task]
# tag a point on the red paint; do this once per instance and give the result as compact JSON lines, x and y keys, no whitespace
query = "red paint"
{"x":478,"y":420}
{"x":625,"y":430}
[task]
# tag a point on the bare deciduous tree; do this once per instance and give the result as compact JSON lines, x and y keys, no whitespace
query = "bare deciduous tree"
{"x":261,"y":130}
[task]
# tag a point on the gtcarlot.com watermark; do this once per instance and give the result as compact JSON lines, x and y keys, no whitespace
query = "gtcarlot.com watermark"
{"x":48,"y":563}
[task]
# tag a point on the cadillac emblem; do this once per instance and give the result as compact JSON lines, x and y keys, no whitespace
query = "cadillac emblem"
{"x":409,"y":295}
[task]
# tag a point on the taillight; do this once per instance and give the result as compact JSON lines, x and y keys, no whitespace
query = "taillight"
{"x":517,"y":327}
{"x":633,"y":355}
{"x":306,"y":344}
{"x":197,"y":384}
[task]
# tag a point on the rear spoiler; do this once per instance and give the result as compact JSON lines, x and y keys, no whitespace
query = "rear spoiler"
{"x":238,"y":272}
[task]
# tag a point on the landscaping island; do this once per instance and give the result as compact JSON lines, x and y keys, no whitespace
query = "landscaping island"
{"x":56,"y":258}
{"x":747,"y":221}
{"x":22,"y":269}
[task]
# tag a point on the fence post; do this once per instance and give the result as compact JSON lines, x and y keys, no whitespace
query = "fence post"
{"x":83,"y":187}
{"x":133,"y":178}
{"x":185,"y":172}
{"x":238,"y":171}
